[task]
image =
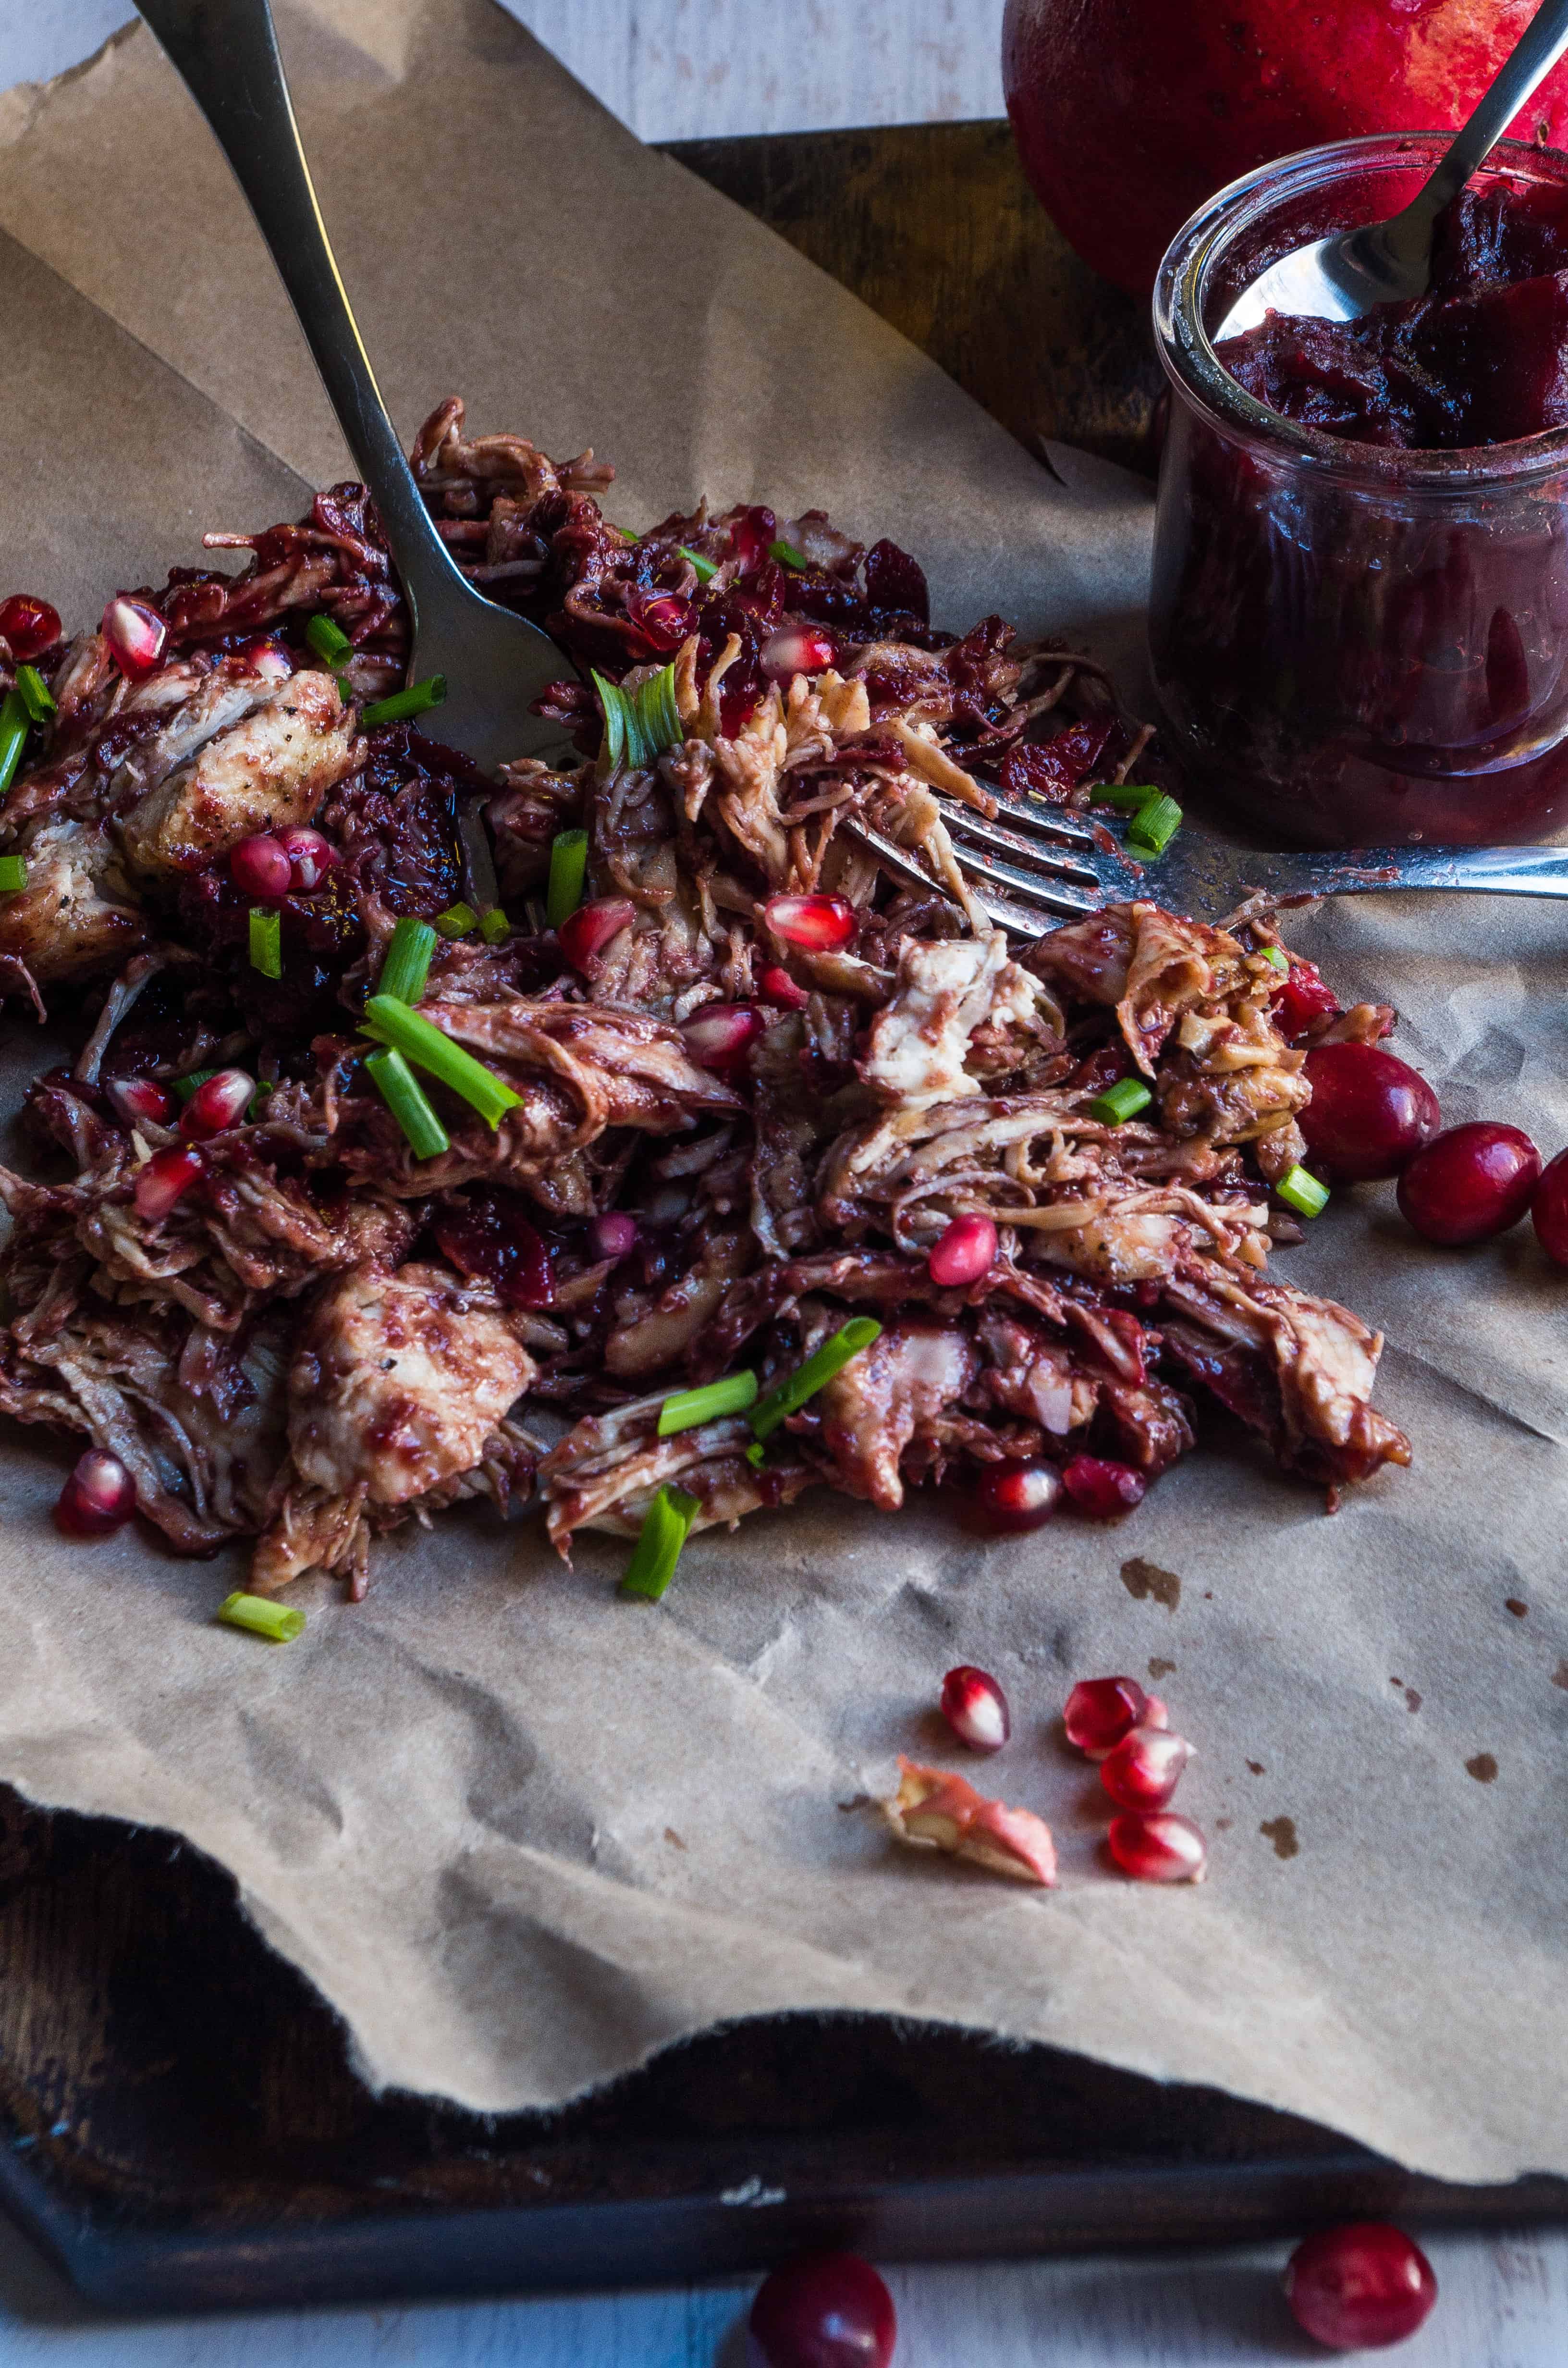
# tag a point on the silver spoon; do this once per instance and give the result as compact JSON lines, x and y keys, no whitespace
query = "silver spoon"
{"x":495,"y":662}
{"x":1388,"y":262}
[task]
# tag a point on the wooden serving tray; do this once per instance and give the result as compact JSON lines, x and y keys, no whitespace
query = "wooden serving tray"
{"x":179,"y":2125}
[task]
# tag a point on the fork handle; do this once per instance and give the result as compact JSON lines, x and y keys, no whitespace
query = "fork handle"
{"x":225,"y":51}
{"x":1495,"y":871}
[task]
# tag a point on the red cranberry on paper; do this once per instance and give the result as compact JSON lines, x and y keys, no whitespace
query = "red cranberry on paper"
{"x":826,"y":2310}
{"x":1370,"y":1114}
{"x":1549,"y":1210}
{"x":1470,"y":1183}
{"x":1360,"y":2287}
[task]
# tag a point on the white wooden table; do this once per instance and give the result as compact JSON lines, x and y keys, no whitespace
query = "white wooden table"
{"x":681,"y":68}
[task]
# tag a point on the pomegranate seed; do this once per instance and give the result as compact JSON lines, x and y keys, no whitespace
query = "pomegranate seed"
{"x":826,"y":2310}
{"x":267,"y":657}
{"x":1161,"y":1847}
{"x":966,"y":1251}
{"x":311,"y":857}
{"x":217,"y":1104}
{"x":28,"y":626}
{"x":1144,"y":1769}
{"x":819,"y":923}
{"x":779,"y":988}
{"x":976,"y":1708}
{"x":1104,"y":1491}
{"x":259,"y":866}
{"x":1360,"y":2287}
{"x":135,"y":634}
{"x":612,"y":1238}
{"x":1304,"y":998}
{"x":99,"y":1496}
{"x":717,"y":1036}
{"x":1369,"y":1114}
{"x":141,"y":1102}
{"x":1470,"y":1183}
{"x":585,"y":934}
{"x":1012,"y":1497}
{"x":1101,"y":1711}
{"x":663,"y":618}
{"x":159,"y":1185}
{"x":797,"y":649}
{"x":1549,"y":1210}
{"x":1154,"y":1713}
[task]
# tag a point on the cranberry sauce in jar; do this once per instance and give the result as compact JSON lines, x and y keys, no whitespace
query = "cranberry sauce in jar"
{"x":1358,"y":621}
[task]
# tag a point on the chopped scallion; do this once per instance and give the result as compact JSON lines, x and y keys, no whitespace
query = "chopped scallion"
{"x":264,"y":1091}
{"x":1278,"y":956}
{"x":639,"y":726}
{"x":706,"y":568}
{"x":787,"y":555}
{"x":185,"y":1087}
{"x":819,"y":1368}
{"x":1127,"y":797}
{"x":666,"y":1527}
{"x":493,"y":925}
{"x":1301,"y":1191}
{"x":1154,"y":827}
{"x":329,"y":641}
{"x":568,"y":872}
{"x":407,"y":964}
{"x":406,"y":1099}
{"x":1121,"y":1101}
{"x":658,"y":713}
{"x":754,"y":1454}
{"x":685,"y":1409}
{"x":266,"y":941}
{"x":410,"y":1034}
{"x":15,"y":725}
{"x":278,"y":1623}
{"x":13,"y":874}
{"x":456,"y":921}
{"x":37,"y":695}
{"x":418,"y":700}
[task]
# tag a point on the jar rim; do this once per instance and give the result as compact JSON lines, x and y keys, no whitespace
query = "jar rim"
{"x":1187,"y":355}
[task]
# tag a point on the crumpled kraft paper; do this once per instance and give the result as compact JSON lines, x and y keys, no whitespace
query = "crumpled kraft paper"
{"x":522,"y":1834}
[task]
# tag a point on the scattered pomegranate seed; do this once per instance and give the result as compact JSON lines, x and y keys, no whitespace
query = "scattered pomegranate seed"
{"x":1470,"y":1183}
{"x":819,"y":923}
{"x":219,"y":1103}
{"x":1304,"y":997}
{"x":135,"y":634}
{"x":267,"y":657}
{"x":1158,"y":1848}
{"x":826,"y":2310}
{"x":99,"y":1496}
{"x":1144,"y":1769}
{"x":1360,"y":2287}
{"x":717,"y":1036}
{"x":140,"y":1101}
{"x":1104,"y":1491}
{"x":976,"y":1708}
{"x":663,"y":618}
{"x":781,"y":989}
{"x":585,"y":934}
{"x":1549,"y":1210}
{"x":29,"y":626}
{"x":259,"y":867}
{"x":612,"y":1238}
{"x":1012,"y":1497}
{"x":311,"y":857}
{"x":1101,"y":1711}
{"x":160,"y":1184}
{"x":967,"y":1250}
{"x":797,"y":649}
{"x":1154,"y":1713}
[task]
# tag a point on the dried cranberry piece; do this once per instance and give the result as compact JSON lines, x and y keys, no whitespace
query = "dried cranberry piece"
{"x":896,"y":580}
{"x":1052,"y":769}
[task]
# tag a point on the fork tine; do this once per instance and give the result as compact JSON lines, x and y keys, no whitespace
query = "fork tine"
{"x":1059,"y":863}
{"x":1057,"y":822}
{"x":1041,"y":905}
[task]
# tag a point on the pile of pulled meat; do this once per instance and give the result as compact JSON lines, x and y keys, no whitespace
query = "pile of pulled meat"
{"x":326,"y":1336}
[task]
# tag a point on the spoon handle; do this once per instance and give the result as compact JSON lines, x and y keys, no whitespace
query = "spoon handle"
{"x":1540,"y":45}
{"x":226,"y":53}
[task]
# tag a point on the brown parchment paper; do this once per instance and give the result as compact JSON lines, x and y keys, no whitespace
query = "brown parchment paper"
{"x":521,"y":1834}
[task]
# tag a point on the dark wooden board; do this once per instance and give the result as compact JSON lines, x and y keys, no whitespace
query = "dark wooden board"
{"x":179,"y":2124}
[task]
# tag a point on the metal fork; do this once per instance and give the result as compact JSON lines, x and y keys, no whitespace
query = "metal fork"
{"x":1036,"y":866}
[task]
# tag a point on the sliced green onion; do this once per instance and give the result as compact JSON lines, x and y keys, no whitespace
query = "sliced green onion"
{"x":410,"y":1034}
{"x":407,"y":964}
{"x":684,"y":1410}
{"x":37,"y":695}
{"x":185,"y":1087}
{"x":754,"y":1454}
{"x":15,"y":725}
{"x":329,"y":641}
{"x":493,"y":925}
{"x":418,"y":700}
{"x":787,"y":555}
{"x":622,"y":739}
{"x":658,"y":713}
{"x":264,"y":1089}
{"x":624,"y":531}
{"x":666,"y":1527}
{"x":406,"y":1099}
{"x":1154,"y":827}
{"x":1278,"y":957}
{"x":568,"y":874}
{"x":266,"y":941}
{"x":278,"y":1623}
{"x":1303,"y":1192}
{"x":1121,"y":1101}
{"x":1127,"y":797}
{"x":456,"y":921}
{"x":639,"y":726}
{"x":819,"y":1368}
{"x":13,"y":874}
{"x":706,"y":568}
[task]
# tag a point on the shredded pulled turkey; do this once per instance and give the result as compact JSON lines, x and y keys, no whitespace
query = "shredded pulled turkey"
{"x":326,"y":1336}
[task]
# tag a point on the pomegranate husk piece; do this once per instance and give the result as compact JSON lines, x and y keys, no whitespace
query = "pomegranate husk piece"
{"x":1100,"y":1710}
{"x":1161,"y":1846}
{"x":933,"y":1809}
{"x":976,"y":1708}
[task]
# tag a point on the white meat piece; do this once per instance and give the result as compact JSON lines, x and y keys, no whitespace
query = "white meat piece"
{"x":269,"y":770}
{"x":78,"y":913}
{"x":920,"y":1040}
{"x":872,"y":1408}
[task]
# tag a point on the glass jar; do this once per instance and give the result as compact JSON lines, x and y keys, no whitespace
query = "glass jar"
{"x":1354,"y":646}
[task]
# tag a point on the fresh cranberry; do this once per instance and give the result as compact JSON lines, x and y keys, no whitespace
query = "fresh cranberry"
{"x":28,"y":626}
{"x":964,"y":1252}
{"x":1102,"y":1490}
{"x":99,"y":1496}
{"x":1549,"y":1210}
{"x":584,"y":935}
{"x":1470,"y":1183}
{"x":826,"y":2310}
{"x":976,"y":1708}
{"x":1360,"y":2287}
{"x":259,"y":866}
{"x":1011,"y":1497}
{"x":1368,"y":1116}
{"x":1304,"y":998}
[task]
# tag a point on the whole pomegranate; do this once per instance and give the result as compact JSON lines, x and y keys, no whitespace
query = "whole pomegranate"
{"x":1130,"y":113}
